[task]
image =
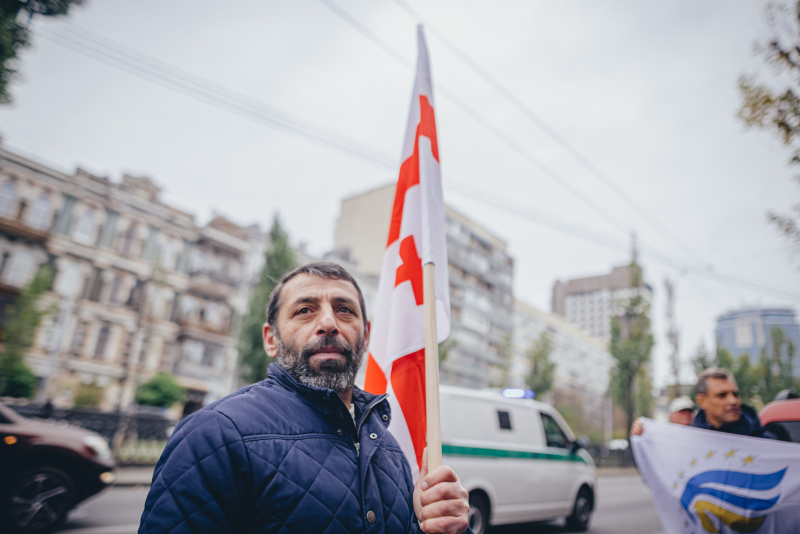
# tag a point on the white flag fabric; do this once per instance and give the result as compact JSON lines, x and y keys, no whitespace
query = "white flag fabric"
{"x":704,"y":481}
{"x":396,"y":362}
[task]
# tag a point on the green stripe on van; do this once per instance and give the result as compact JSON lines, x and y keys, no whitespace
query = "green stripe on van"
{"x":457,"y":450}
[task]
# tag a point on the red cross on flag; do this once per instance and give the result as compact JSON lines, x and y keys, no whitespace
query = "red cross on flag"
{"x":396,"y":361}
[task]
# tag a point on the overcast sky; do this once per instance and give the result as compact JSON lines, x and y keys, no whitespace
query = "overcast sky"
{"x":646,"y":91}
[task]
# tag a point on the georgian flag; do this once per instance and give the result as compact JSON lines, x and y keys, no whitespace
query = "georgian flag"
{"x":704,"y":481}
{"x":396,"y":362}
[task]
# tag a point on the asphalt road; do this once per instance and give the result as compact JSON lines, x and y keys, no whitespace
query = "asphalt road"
{"x":624,"y":507}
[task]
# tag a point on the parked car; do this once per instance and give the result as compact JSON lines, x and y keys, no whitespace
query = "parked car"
{"x":46,"y":469}
{"x":782,"y":417}
{"x":517,"y":458}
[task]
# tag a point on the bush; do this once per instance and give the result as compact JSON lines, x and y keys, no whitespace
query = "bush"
{"x":20,"y":382}
{"x":162,"y":390}
{"x":88,"y":395}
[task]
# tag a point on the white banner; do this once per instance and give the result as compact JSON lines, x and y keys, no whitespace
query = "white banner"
{"x":706,"y":481}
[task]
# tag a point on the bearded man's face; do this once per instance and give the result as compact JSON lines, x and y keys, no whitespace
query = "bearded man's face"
{"x":333,"y":373}
{"x":320,"y":334}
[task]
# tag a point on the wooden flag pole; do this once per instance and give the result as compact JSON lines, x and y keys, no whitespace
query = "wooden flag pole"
{"x":431,"y":368}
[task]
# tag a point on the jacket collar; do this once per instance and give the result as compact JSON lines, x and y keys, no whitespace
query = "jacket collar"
{"x":324,"y":398}
{"x":747,"y":425}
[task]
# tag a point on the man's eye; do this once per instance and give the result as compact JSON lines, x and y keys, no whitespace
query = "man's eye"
{"x":303,"y":311}
{"x":346,"y":309}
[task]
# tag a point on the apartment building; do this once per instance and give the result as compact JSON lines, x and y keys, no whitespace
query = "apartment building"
{"x":591,"y":302}
{"x":138,"y":286}
{"x":583,"y":362}
{"x":480,"y":275}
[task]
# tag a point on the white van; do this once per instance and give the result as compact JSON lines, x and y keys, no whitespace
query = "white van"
{"x":517,"y":458}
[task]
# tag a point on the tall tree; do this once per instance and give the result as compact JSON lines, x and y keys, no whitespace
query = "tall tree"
{"x":24,"y":316}
{"x":14,"y":36}
{"x":631,"y":344}
{"x":540,"y":378}
{"x":777,"y":366}
{"x":279,"y":259}
{"x":775,"y":107}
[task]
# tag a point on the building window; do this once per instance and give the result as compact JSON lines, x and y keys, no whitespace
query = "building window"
{"x":8,"y":199}
{"x":39,"y":214}
{"x":166,"y":256}
{"x":127,"y":243}
{"x":102,"y":341}
{"x":77,"y":338}
{"x":84,"y":233}
{"x":64,"y":219}
{"x":114,"y":295}
{"x":109,"y":229}
{"x":23,"y":268}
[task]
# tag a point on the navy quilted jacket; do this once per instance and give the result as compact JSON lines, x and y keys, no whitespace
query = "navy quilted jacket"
{"x":279,"y":456}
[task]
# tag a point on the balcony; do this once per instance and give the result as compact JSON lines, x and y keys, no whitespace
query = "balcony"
{"x":215,"y":285}
{"x":19,"y":229}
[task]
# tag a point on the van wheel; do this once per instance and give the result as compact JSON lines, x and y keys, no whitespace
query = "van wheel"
{"x":478,"y":513}
{"x":582,"y":511}
{"x":38,"y":500}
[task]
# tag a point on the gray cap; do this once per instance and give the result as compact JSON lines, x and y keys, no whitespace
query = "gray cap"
{"x":679,"y":404}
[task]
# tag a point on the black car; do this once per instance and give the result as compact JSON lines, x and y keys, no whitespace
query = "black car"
{"x":45,"y":470}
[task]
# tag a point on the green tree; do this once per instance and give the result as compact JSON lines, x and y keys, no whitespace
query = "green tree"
{"x":540,"y":378}
{"x":631,"y":344}
{"x":14,"y":36}
{"x":702,"y":359}
{"x":279,"y":259}
{"x":162,"y":390}
{"x":24,"y":316}
{"x":776,"y":107}
{"x":777,"y":368}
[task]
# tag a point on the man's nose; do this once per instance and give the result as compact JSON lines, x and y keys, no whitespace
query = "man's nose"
{"x":327,"y":322}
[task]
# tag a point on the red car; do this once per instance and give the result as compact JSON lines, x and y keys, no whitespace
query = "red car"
{"x":782,"y":417}
{"x":45,"y":470}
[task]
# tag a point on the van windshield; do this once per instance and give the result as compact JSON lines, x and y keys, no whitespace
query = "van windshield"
{"x":553,"y":434}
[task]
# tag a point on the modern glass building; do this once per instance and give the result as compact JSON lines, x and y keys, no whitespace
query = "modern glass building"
{"x":747,"y":330}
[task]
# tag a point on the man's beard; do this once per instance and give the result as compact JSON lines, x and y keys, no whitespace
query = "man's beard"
{"x":332,"y":374}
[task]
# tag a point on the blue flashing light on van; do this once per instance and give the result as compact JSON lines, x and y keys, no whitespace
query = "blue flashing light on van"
{"x":516,"y":393}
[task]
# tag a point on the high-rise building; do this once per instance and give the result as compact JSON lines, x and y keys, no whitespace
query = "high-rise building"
{"x":480,"y":273}
{"x":748,"y":330}
{"x":591,"y":302}
{"x":138,"y":287}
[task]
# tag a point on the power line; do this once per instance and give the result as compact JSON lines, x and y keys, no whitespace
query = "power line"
{"x":550,"y":131}
{"x":480,"y":119}
{"x":190,"y":85}
{"x":174,"y":78}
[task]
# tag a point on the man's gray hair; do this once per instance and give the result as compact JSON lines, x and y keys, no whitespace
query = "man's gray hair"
{"x":713,"y":372}
{"x":323,"y":269}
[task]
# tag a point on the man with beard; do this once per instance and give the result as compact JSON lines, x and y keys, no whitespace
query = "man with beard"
{"x":302,"y":451}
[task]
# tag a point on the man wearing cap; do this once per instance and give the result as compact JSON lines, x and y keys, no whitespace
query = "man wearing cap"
{"x":681,"y":411}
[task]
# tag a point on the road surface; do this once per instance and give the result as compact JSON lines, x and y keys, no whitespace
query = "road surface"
{"x":624,"y":507}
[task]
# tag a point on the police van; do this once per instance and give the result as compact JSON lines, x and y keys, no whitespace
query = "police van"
{"x":517,"y":458}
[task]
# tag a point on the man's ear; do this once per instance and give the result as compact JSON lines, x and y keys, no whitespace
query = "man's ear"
{"x":700,"y":399}
{"x":366,"y":335}
{"x":270,"y":341}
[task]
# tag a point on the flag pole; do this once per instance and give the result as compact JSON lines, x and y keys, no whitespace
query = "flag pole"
{"x":431,"y":368}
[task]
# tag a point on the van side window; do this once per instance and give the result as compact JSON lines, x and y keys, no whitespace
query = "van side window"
{"x":505,"y":420}
{"x":553,"y":434}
